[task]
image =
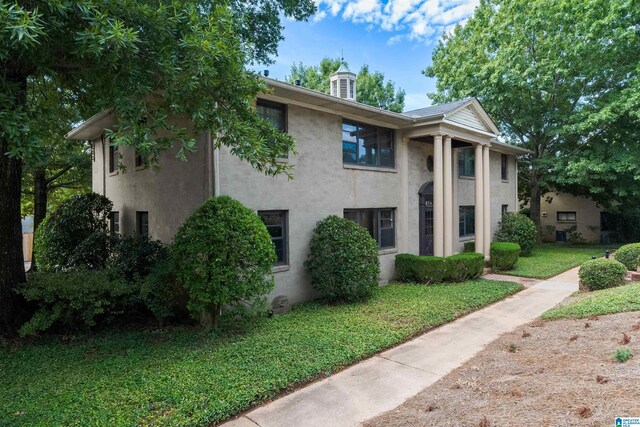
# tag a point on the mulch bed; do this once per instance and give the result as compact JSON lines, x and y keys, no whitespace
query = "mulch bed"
{"x":548,"y":373}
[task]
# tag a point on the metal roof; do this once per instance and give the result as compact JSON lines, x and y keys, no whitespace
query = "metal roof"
{"x":436,"y":110}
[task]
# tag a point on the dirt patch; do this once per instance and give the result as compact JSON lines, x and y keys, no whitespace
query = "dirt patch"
{"x":556,"y":373}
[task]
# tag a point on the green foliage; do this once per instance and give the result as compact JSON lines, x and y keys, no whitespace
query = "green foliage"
{"x":223,"y":254}
{"x":464,"y":266}
{"x":470,"y":246}
{"x":623,"y":354}
{"x":134,"y":255}
{"x":420,"y":269}
{"x":504,"y":255}
{"x":75,"y":236}
{"x":162,"y":293}
{"x":189,"y":377}
{"x":602,"y":273}
{"x":74,"y":300}
{"x":628,"y":255}
{"x":607,"y":301}
{"x":517,"y":228}
{"x":371,"y":87}
{"x":343,"y":260}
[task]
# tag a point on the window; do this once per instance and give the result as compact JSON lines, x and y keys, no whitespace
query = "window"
{"x":113,"y":158}
{"x":142,"y":223}
{"x":114,"y":223}
{"x":139,"y":160}
{"x":379,"y":222}
{"x":504,"y":167}
{"x":605,"y":221}
{"x":561,"y":236}
{"x":505,"y":209}
{"x":567,"y":216}
{"x":467,"y":221}
{"x":276,"y":223}
{"x":466,"y":162}
{"x":367,"y":145}
{"x":273,"y":112}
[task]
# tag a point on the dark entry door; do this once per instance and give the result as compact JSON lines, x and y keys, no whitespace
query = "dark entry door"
{"x":426,"y":219}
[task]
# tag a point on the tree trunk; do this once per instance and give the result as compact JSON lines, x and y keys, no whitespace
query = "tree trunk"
{"x":535,"y":203}
{"x":40,"y":195}
{"x":11,"y":257}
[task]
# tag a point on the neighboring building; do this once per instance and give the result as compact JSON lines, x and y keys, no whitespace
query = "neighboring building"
{"x":423,"y":182}
{"x":566,"y":218}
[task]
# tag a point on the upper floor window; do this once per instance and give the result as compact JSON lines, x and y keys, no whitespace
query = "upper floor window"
{"x":367,"y":145}
{"x":273,"y":112}
{"x":379,"y":222}
{"x":276,"y":223}
{"x":504,"y":167}
{"x":466,"y":162}
{"x":113,"y":158}
{"x":566,"y":216}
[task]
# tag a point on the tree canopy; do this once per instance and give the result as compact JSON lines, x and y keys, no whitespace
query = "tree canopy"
{"x":147,"y":62}
{"x":371,"y":86}
{"x":560,"y":78}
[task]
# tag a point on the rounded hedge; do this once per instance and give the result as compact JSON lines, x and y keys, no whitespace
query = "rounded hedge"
{"x":74,"y":236}
{"x":628,"y":255}
{"x":464,"y":266}
{"x":602,"y":273}
{"x":343,"y":260}
{"x":517,"y":228}
{"x":504,"y":255}
{"x":420,"y":269}
{"x":223,"y":255}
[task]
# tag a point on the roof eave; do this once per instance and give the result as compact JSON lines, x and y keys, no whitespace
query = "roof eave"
{"x":91,"y":128}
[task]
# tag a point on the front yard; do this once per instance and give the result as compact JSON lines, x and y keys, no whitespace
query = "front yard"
{"x":550,"y":259}
{"x":184,"y":376}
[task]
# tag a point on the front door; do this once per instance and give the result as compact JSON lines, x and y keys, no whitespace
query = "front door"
{"x":426,"y":219}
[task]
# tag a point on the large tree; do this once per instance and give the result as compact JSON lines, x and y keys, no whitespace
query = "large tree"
{"x":560,"y":77}
{"x":147,"y":61}
{"x":371,"y":87}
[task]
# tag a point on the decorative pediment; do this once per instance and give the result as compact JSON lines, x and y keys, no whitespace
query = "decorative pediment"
{"x":471,"y":114}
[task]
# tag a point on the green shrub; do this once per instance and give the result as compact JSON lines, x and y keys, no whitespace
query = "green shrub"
{"x":470,"y":246}
{"x":420,"y":269}
{"x":628,"y":255}
{"x":343,"y":260}
{"x":74,"y":236}
{"x":162,"y":293}
{"x":223,"y":255}
{"x":602,"y":273}
{"x":464,"y":266}
{"x":75,"y":300}
{"x":517,"y":228}
{"x":133,"y":256}
{"x":504,"y":255}
{"x":623,"y":354}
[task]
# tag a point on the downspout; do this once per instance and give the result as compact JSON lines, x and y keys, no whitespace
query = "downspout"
{"x":104,"y":165}
{"x":214,"y":168}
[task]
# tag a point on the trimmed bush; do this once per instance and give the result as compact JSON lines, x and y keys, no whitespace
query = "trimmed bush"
{"x":223,"y":255}
{"x":628,"y":255}
{"x":470,"y":246}
{"x":75,"y":300}
{"x":504,"y":255}
{"x":74,"y":236}
{"x":517,"y":228}
{"x":420,"y":269}
{"x":162,"y":293}
{"x":133,"y":256}
{"x":464,"y":266}
{"x":343,"y":260}
{"x":602,"y":273}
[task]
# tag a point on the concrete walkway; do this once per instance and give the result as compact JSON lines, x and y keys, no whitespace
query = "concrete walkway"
{"x":388,"y":379}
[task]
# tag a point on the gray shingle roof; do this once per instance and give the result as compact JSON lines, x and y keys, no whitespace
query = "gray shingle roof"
{"x":435,"y":110}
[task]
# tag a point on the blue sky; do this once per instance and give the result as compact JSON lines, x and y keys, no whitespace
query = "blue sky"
{"x":395,"y":37}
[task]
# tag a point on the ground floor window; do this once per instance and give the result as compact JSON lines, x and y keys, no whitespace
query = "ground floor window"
{"x":379,"y":222}
{"x":467,"y":221}
{"x":505,"y":209}
{"x":114,"y":223}
{"x":142,"y":223}
{"x":276,"y":223}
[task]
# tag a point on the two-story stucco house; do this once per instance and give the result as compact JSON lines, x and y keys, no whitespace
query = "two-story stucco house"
{"x":423,"y":182}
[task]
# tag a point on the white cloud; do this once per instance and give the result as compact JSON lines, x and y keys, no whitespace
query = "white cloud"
{"x":416,"y":20}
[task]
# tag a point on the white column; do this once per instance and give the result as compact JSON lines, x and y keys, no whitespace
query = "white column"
{"x":403,"y":143}
{"x":486,"y":174}
{"x":479,"y":208}
{"x":448,"y":198}
{"x":516,"y":206}
{"x":438,"y":199}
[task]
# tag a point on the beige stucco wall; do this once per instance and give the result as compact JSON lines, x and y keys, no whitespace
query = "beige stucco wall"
{"x":587,"y":214}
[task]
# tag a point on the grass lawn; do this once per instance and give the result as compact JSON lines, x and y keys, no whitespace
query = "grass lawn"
{"x":550,"y":259}
{"x":607,"y":301}
{"x":189,"y":377}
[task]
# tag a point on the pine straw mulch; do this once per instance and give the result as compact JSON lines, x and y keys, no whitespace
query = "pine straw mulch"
{"x":548,"y":373}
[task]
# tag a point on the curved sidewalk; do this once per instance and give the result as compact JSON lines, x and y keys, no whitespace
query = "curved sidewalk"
{"x":386,"y":380}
